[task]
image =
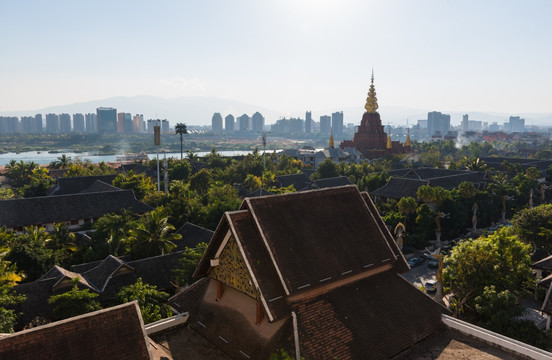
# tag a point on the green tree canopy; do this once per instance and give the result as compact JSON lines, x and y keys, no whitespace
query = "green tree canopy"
{"x":189,"y":260}
{"x":499,"y":260}
{"x":534,"y":226}
{"x":152,"y":302}
{"x":153,"y":235}
{"x":73,"y":303}
{"x":140,"y":183}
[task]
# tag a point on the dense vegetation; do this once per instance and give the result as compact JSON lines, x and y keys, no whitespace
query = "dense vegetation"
{"x":488,"y":275}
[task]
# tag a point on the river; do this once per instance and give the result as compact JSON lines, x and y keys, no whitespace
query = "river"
{"x":44,"y":158}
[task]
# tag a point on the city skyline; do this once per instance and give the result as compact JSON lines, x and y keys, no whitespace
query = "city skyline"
{"x":287,"y":56}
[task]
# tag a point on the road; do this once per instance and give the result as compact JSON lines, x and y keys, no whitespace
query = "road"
{"x":420,"y":274}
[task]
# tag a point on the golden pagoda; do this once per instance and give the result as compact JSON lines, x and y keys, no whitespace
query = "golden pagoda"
{"x":331,"y":139}
{"x":371,"y":101}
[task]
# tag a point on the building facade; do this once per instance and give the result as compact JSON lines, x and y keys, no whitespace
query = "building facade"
{"x":106,"y":120}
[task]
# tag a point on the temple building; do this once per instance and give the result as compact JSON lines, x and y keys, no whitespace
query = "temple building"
{"x":370,"y":139}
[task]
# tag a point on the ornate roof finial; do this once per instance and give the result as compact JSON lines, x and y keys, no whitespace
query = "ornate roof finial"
{"x":389,"y":145}
{"x":371,"y":101}
{"x":407,"y":142}
{"x":331,"y":138}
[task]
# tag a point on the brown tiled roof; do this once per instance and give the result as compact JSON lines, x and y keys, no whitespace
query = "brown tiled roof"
{"x":53,"y":209}
{"x":259,"y":260}
{"x":400,"y":266}
{"x":321,"y":235}
{"x":374,"y":318}
{"x":113,"y":333}
{"x":397,"y":188}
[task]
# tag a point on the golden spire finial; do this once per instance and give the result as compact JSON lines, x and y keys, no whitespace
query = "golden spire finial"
{"x":407,"y":142}
{"x":331,"y":138}
{"x":371,"y":101}
{"x":389,"y":145}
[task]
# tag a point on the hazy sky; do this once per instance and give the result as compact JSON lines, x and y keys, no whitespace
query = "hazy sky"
{"x":282,"y":55}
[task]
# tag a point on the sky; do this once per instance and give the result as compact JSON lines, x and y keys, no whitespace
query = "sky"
{"x":283,"y":55}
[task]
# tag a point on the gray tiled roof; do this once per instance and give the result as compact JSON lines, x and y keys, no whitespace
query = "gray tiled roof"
{"x":397,"y":188}
{"x":54,"y":209}
{"x":73,"y":185}
{"x":192,"y":235}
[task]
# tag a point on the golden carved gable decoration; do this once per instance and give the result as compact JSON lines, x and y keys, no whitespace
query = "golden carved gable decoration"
{"x":232,"y":270}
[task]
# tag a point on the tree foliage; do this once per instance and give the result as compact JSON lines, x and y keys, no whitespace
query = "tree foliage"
{"x":152,"y":302}
{"x":499,"y":260}
{"x":153,"y":235}
{"x":189,"y":260}
{"x":534,"y":226}
{"x":73,"y":302}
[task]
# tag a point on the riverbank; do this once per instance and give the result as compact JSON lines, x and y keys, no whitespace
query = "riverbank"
{"x":45,"y":158}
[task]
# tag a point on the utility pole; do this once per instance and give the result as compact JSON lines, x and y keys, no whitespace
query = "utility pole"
{"x":157,"y":142}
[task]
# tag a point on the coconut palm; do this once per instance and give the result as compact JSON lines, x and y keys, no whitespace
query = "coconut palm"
{"x":180,"y":129}
{"x":153,"y":235}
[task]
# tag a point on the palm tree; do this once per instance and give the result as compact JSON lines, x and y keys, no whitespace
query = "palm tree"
{"x":180,"y":129}
{"x":153,"y":235}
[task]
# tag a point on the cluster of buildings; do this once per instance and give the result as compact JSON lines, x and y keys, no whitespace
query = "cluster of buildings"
{"x":106,"y":120}
{"x":437,"y":126}
{"x":256,"y":124}
{"x":241,"y":124}
{"x":267,"y":282}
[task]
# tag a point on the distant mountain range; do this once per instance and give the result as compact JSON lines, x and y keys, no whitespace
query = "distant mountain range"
{"x":198,"y":110}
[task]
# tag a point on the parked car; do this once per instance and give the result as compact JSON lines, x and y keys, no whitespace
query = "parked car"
{"x":415,"y":261}
{"x":431,"y":285}
{"x":433,"y":263}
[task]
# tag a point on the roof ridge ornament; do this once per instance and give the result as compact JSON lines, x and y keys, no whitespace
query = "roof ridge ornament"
{"x":371,"y":101}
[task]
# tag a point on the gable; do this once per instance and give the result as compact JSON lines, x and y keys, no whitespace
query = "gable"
{"x":232,"y":270}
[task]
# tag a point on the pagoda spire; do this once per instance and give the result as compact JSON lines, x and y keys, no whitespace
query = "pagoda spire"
{"x":371,"y":101}
{"x":331,"y":138}
{"x":389,"y":145}
{"x":407,"y":142}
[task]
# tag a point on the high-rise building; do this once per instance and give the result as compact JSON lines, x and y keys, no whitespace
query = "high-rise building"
{"x":337,"y":123}
{"x":164,"y":126}
{"x":325,"y":124}
{"x":9,"y":124}
{"x":124,"y":123}
{"x":120,"y":123}
{"x":465,"y":123}
{"x":38,"y":123}
{"x":139,"y":125}
{"x":308,"y":122}
{"x":91,"y":123}
{"x":27,"y":123}
{"x":515,"y":124}
{"x":229,"y":124}
{"x":216,"y":123}
{"x":52,"y":123}
{"x":257,"y":122}
{"x":129,"y":124}
{"x":64,"y":123}
{"x":107,"y":120}
{"x":78,"y":123}
{"x":437,"y":123}
{"x":243,"y":123}
{"x":152,"y":123}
